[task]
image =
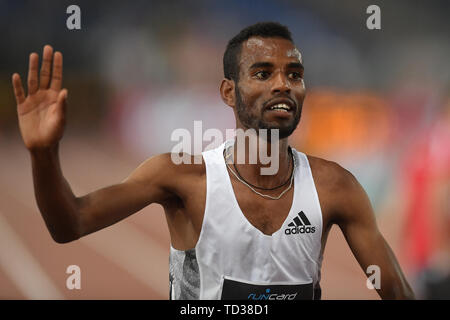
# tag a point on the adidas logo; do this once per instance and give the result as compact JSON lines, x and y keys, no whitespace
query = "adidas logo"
{"x":300,"y":224}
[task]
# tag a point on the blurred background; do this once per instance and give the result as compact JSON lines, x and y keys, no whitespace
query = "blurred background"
{"x":378,"y":103}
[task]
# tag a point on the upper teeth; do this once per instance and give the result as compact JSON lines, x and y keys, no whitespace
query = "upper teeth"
{"x":282,"y":106}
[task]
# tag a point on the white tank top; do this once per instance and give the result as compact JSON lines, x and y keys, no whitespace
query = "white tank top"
{"x":234,"y":260}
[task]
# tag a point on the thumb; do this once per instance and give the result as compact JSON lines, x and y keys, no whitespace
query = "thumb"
{"x":62,"y":100}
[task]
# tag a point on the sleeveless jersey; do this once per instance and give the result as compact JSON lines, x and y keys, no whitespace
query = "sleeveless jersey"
{"x":234,"y":260}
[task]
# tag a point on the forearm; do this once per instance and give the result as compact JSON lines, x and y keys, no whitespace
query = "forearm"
{"x":371,"y":249}
{"x":55,"y":199}
{"x":397,"y":289}
{"x":395,"y":285}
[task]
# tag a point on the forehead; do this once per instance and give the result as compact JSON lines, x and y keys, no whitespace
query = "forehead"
{"x":257,"y":49}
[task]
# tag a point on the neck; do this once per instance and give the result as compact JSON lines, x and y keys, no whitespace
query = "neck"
{"x":263,"y":162}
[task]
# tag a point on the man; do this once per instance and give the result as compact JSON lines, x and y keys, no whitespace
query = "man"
{"x":235,"y":232}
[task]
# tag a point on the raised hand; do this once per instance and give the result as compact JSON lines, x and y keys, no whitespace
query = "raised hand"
{"x":41,"y":113}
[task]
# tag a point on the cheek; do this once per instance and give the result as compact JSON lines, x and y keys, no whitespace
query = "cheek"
{"x":257,"y":91}
{"x":248,"y":97}
{"x":303,"y":85}
{"x":300,"y":92}
{"x":300,"y":88}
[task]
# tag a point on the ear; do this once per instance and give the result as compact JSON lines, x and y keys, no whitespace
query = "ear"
{"x":227,"y":92}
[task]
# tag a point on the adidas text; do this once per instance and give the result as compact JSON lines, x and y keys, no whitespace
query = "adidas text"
{"x":301,"y":229}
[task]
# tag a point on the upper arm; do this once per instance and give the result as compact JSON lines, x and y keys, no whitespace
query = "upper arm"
{"x":354,"y":213}
{"x":356,"y":219}
{"x":150,"y":183}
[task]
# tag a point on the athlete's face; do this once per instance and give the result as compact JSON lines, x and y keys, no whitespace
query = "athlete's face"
{"x":270,"y":81}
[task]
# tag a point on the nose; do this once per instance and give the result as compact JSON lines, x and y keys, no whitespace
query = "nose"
{"x":281,"y":84}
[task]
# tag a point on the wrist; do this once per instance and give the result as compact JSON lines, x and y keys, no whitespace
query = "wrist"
{"x":44,"y":152}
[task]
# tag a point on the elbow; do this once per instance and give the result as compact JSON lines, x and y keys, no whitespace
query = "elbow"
{"x":64,"y":235}
{"x":64,"y":238}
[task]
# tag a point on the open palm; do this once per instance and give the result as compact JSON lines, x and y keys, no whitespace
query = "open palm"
{"x":41,"y":113}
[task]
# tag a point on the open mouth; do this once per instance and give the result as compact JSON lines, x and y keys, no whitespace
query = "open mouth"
{"x":281,"y":107}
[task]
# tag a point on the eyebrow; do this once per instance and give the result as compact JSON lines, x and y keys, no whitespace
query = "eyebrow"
{"x":292,"y":65}
{"x":295,"y":65}
{"x":257,"y":65}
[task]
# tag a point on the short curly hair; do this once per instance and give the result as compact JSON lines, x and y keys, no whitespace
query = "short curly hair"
{"x":234,"y":46}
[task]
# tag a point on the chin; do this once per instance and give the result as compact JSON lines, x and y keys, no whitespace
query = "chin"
{"x":282,"y":132}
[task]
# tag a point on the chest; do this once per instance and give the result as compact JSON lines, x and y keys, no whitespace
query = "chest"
{"x":267,"y":215}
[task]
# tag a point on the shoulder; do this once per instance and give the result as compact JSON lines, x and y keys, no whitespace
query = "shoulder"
{"x":164,"y":171}
{"x":339,"y":191}
{"x":331,"y":175}
{"x":171,"y":165}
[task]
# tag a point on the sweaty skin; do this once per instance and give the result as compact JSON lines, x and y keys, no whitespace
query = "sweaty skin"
{"x":295,"y":53}
{"x":181,"y":189}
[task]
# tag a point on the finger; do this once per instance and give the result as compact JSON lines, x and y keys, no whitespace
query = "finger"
{"x":62,"y":101}
{"x":18,"y":89}
{"x":57,"y":71}
{"x":47,"y":56}
{"x":33,"y":73}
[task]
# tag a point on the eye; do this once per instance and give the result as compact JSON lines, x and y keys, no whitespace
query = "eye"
{"x":296,"y":76}
{"x":262,"y":75}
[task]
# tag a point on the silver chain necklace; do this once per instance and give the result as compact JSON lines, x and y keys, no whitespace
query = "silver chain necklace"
{"x":259,"y":193}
